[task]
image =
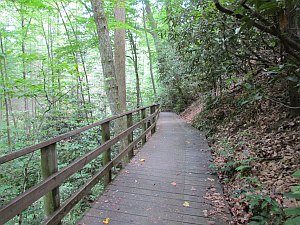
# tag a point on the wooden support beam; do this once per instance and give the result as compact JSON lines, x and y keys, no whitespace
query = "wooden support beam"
{"x":130,"y":136}
{"x":152,"y":111}
{"x":53,"y":178}
{"x":144,"y":125}
{"x":48,"y":168}
{"x":106,"y":156}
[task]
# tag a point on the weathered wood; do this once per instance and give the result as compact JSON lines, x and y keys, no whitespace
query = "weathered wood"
{"x":130,"y":136}
{"x":49,"y":167}
{"x":20,"y":203}
{"x":30,"y":149}
{"x":152,"y":111}
{"x":121,"y":155}
{"x":58,"y":215}
{"x":146,"y":194}
{"x":27,"y":198}
{"x":72,"y":201}
{"x":106,"y":156}
{"x":144,"y":125}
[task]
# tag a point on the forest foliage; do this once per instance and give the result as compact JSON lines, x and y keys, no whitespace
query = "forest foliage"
{"x":52,"y":80}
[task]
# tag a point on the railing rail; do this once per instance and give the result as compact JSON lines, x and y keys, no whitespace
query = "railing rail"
{"x":49,"y":187}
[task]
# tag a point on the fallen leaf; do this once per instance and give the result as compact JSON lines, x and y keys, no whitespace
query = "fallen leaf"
{"x":106,"y":221}
{"x":174,"y":183}
{"x":142,"y":160}
{"x":210,"y":179}
{"x":193,"y":189}
{"x":205,"y":213}
{"x":186,"y":204}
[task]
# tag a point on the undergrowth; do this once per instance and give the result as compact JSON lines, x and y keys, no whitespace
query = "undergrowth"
{"x":255,"y":143}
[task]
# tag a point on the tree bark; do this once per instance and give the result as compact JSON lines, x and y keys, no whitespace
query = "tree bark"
{"x":107,"y":60}
{"x":76,"y":62}
{"x":153,"y":25}
{"x":119,"y":56}
{"x":149,"y":54}
{"x":9,"y":142}
{"x":293,"y":27}
{"x":81,"y":56}
{"x":135,"y":63}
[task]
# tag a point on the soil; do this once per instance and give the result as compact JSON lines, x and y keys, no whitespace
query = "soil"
{"x":256,"y":150}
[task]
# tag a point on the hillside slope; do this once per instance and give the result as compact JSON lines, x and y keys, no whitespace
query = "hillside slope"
{"x":256,"y":147}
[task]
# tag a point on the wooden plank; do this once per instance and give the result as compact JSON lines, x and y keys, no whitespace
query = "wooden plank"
{"x":130,"y":136}
{"x":49,"y":167}
{"x":72,"y":201}
{"x":152,"y":111}
{"x":121,"y":155}
{"x":152,"y":197}
{"x":144,"y":125}
{"x":24,"y":200}
{"x":30,"y":149}
{"x":106,"y":156}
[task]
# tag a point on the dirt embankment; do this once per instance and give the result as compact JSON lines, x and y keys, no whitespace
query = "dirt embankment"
{"x":256,"y":151}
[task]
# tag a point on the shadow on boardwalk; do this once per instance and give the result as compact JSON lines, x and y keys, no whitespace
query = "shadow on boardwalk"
{"x":172,"y":186}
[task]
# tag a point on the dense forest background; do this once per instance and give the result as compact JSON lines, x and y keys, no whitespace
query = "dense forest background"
{"x":239,"y":59}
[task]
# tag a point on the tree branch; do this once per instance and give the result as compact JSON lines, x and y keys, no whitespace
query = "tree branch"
{"x":283,"y":37}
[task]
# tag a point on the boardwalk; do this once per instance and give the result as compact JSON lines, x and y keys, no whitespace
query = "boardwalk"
{"x":167,"y":182}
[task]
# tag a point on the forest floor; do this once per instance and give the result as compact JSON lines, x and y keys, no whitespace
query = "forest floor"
{"x":256,"y":150}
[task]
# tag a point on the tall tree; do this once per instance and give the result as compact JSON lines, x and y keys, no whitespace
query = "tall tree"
{"x":107,"y":58}
{"x":153,"y":25}
{"x":149,"y":53}
{"x":135,"y":64}
{"x":119,"y":44}
{"x":3,"y":77}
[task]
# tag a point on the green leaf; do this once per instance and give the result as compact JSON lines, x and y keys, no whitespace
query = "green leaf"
{"x":295,"y":189}
{"x":293,"y":195}
{"x":293,"y":221}
{"x":258,"y":218}
{"x":292,"y":211}
{"x":296,"y":174}
{"x":254,"y":223}
{"x":264,"y":204}
{"x":241,"y":168}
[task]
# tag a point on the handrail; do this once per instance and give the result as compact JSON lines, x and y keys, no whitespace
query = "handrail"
{"x":52,"y":182}
{"x":33,"y":148}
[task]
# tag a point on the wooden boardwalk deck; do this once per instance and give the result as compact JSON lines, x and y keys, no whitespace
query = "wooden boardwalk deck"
{"x":172,"y":186}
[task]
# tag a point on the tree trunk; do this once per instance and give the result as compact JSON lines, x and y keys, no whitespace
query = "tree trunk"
{"x":76,"y":62}
{"x":135,"y":63}
{"x":81,"y":57}
{"x":294,"y":30}
{"x":107,"y":59}
{"x":119,"y":44}
{"x":149,"y":54}
{"x":2,"y":58}
{"x":153,"y":25}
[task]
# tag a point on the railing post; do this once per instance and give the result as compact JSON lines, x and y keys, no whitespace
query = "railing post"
{"x":49,"y":167}
{"x":144,"y":125}
{"x":152,"y":110}
{"x":106,"y":156}
{"x":130,"y":136}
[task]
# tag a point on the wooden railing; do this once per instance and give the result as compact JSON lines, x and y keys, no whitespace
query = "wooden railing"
{"x":53,"y":178}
